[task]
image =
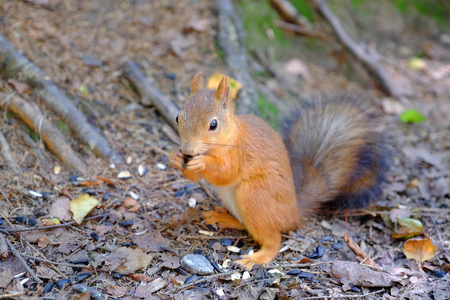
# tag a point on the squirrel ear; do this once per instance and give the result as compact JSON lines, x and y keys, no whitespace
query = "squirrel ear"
{"x":197,"y":83}
{"x":223,"y":90}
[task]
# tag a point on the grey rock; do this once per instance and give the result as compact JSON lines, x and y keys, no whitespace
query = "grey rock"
{"x":197,"y":264}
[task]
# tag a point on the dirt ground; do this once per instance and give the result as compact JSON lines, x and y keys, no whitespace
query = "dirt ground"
{"x":134,"y":250}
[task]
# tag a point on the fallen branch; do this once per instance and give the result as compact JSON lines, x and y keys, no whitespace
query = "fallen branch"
{"x":150,"y":94}
{"x":204,"y":279}
{"x":361,"y":256}
{"x":15,"y":64}
{"x":36,"y":149}
{"x":230,"y":38}
{"x":52,"y":137}
{"x":294,"y":28}
{"x":9,"y":159}
{"x":23,"y":261}
{"x":289,"y":13}
{"x":369,"y":59}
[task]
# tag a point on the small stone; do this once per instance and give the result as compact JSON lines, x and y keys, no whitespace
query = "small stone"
{"x":235,"y":276}
{"x":35,"y":194}
{"x":246,"y":275}
{"x":134,"y":195}
{"x":220,"y":292}
{"x":197,"y":264}
{"x":124,"y":175}
{"x":161,"y":166}
{"x":204,"y":232}
{"x":234,"y":249}
{"x":142,"y":170}
{"x":57,"y":170}
{"x":112,"y":166}
{"x":276,"y":272}
{"x":129,"y":160}
{"x":91,"y":60}
{"x":192,"y":202}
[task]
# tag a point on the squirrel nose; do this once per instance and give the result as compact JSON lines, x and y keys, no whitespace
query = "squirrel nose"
{"x":188,"y":149}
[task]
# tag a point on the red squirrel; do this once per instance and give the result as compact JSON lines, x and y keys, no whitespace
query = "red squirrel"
{"x":334,"y":151}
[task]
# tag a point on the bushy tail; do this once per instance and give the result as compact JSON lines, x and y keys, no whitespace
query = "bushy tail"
{"x":336,"y":154}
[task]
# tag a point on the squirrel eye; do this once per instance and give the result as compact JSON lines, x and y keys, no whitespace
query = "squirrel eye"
{"x":176,"y":119}
{"x":213,"y":125}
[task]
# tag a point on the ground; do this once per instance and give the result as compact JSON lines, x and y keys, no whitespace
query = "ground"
{"x":82,"y":45}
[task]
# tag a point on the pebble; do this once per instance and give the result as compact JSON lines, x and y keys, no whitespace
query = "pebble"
{"x":57,"y":170}
{"x":129,"y":160}
{"x":220,"y":292}
{"x":161,"y":166}
{"x":192,"y":202}
{"x":197,"y":264}
{"x":35,"y":194}
{"x":124,"y":175}
{"x":134,"y":195}
{"x":235,"y":276}
{"x":246,"y":275}
{"x":234,"y":249}
{"x":142,"y":170}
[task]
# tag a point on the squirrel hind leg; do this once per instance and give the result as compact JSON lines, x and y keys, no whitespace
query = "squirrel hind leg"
{"x":270,"y":245}
{"x":223,"y":220}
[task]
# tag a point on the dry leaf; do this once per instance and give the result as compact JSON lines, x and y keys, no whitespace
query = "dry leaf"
{"x":60,"y":209}
{"x":116,"y":291}
{"x":131,"y":260}
{"x":407,"y":227}
{"x":419,"y":249}
{"x":50,"y":222}
{"x":140,"y":277}
{"x":20,"y":87}
{"x":213,"y":83}
{"x":82,"y":206}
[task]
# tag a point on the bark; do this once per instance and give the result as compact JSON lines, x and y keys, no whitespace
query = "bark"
{"x":14,"y":64}
{"x":53,"y":138}
{"x":230,"y":38}
{"x":9,"y":159}
{"x":150,"y":94}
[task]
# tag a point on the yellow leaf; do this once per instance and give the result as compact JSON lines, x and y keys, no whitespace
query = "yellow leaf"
{"x":213,"y":83}
{"x":420,"y":250}
{"x":49,"y":222}
{"x":407,"y":227}
{"x":82,"y":206}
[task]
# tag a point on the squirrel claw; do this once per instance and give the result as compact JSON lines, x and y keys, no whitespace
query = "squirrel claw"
{"x":223,"y":220}
{"x":246,"y":263}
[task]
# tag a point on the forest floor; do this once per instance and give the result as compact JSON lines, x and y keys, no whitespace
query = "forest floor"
{"x":146,"y":224}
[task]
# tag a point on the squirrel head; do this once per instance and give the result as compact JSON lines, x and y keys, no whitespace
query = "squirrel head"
{"x":206,"y":119}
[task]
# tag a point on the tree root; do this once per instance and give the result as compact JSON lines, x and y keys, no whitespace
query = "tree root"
{"x":9,"y":159}
{"x":230,"y":38}
{"x":369,"y":59}
{"x":35,"y":148}
{"x":150,"y":94}
{"x":52,"y":137}
{"x":16,"y":64}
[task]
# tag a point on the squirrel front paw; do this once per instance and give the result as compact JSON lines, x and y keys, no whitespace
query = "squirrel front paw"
{"x":196,"y":164}
{"x":176,"y":158}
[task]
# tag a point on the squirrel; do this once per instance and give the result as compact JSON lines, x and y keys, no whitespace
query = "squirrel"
{"x":331,"y":153}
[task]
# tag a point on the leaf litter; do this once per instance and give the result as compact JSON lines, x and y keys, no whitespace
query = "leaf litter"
{"x":166,"y":40}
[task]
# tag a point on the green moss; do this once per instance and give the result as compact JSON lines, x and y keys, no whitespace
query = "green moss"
{"x":63,"y":127}
{"x":304,"y":9}
{"x":269,"y":112}
{"x":30,"y":132}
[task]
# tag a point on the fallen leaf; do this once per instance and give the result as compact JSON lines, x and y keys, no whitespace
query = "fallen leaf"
{"x":197,"y":25}
{"x":152,"y":240}
{"x":43,"y":242}
{"x":140,"y":277}
{"x":20,"y":87}
{"x":214,"y":80}
{"x":60,"y":209}
{"x":127,"y":261}
{"x":143,"y":291}
{"x":50,"y":222}
{"x":82,"y":206}
{"x":6,"y":276}
{"x":407,"y":227}
{"x":170,"y":261}
{"x":399,"y":213}
{"x":412,"y":116}
{"x":419,"y":249}
{"x":348,"y":272}
{"x":116,"y":291}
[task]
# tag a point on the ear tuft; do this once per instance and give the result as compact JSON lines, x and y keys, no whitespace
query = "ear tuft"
{"x":197,"y":83}
{"x":223,"y":90}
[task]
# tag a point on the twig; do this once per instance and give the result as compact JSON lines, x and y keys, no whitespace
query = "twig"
{"x":150,"y":94}
{"x":52,"y":137}
{"x":49,"y":261}
{"x":22,"y":260}
{"x":204,"y":279}
{"x":369,"y":59}
{"x":230,"y":38}
{"x":304,"y":31}
{"x":347,"y":296}
{"x":6,"y":153}
{"x":361,"y":256}
{"x":289,"y":13}
{"x":3,"y":247}
{"x":51,"y":226}
{"x":7,"y":296}
{"x":36,"y":149}
{"x":302,"y":265}
{"x":16,"y":64}
{"x":51,"y":265}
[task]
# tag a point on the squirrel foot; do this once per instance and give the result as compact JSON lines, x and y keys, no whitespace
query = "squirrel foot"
{"x":262,"y":257}
{"x":223,"y":219}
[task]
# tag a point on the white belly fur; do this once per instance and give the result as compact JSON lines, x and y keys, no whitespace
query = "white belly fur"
{"x":226,"y":195}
